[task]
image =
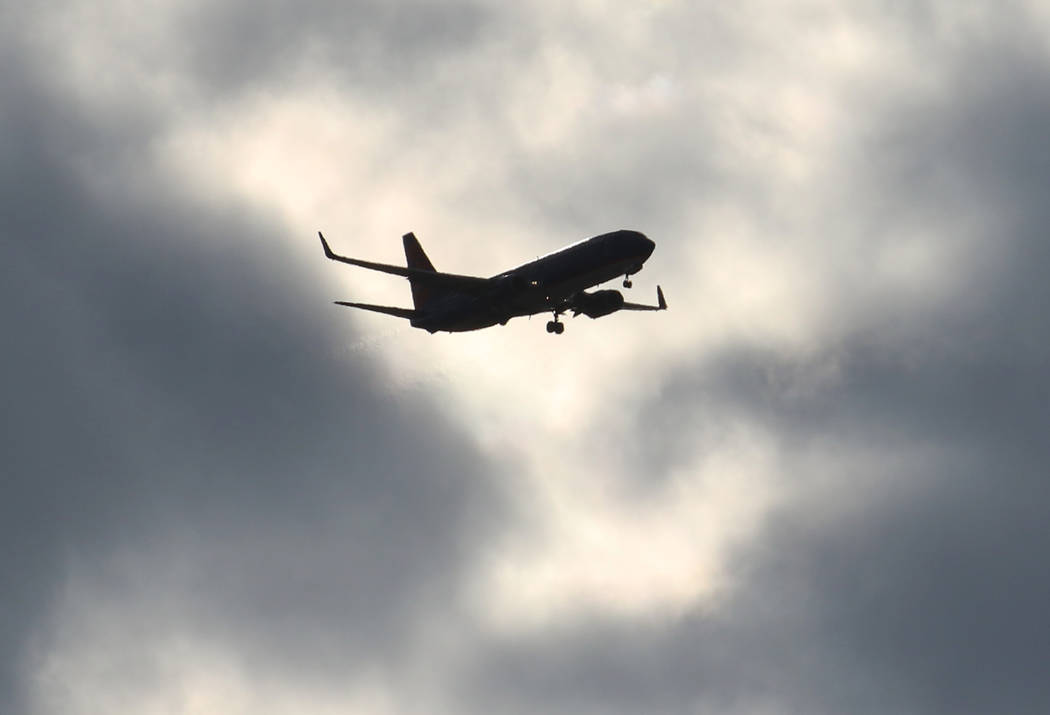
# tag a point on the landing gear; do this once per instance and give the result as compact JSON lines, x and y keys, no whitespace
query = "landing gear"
{"x":556,"y":327}
{"x":627,"y":281}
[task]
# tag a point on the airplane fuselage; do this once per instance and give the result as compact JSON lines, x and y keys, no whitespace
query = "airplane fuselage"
{"x":542,"y":285}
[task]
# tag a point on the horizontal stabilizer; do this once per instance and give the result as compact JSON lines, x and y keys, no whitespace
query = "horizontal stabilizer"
{"x":661,"y":304}
{"x":388,"y":309}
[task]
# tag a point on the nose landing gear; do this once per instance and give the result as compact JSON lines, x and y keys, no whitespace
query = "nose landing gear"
{"x":627,"y":281}
{"x":555,"y":326}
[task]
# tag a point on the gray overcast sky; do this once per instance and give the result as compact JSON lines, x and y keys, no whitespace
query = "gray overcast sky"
{"x":817,"y":484}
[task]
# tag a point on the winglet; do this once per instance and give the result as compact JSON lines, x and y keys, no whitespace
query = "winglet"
{"x":324,"y":243}
{"x":660,"y":298}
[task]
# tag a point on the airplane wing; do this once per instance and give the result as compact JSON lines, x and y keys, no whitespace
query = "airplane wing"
{"x":661,"y":303}
{"x":450,"y":281}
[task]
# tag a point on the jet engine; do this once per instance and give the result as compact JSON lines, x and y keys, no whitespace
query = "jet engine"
{"x":597,"y":304}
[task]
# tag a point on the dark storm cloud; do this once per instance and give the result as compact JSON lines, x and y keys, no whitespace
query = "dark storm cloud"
{"x":171,"y":375}
{"x":924,"y":599}
{"x":907,"y":573}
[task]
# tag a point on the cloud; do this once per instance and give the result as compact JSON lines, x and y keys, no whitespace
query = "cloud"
{"x":900,"y":570}
{"x":814,"y":485}
{"x":176,"y":396}
{"x":368,"y":44}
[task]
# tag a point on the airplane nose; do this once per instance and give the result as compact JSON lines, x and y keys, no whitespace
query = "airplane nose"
{"x":647,"y":244}
{"x":635,"y":243}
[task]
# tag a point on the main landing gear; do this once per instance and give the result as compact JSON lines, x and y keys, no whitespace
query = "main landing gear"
{"x":555,"y":326}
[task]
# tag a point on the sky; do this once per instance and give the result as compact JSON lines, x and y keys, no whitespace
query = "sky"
{"x":817,"y":484}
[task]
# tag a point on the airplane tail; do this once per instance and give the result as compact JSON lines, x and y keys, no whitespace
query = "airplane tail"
{"x":415,"y":258}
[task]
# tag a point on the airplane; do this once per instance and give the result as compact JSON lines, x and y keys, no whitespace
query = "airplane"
{"x":555,"y":283}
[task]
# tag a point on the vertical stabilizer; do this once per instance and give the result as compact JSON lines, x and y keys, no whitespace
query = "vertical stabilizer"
{"x":414,"y":255}
{"x":417,"y":259}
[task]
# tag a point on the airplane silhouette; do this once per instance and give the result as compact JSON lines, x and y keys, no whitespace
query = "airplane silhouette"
{"x":555,"y":283}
